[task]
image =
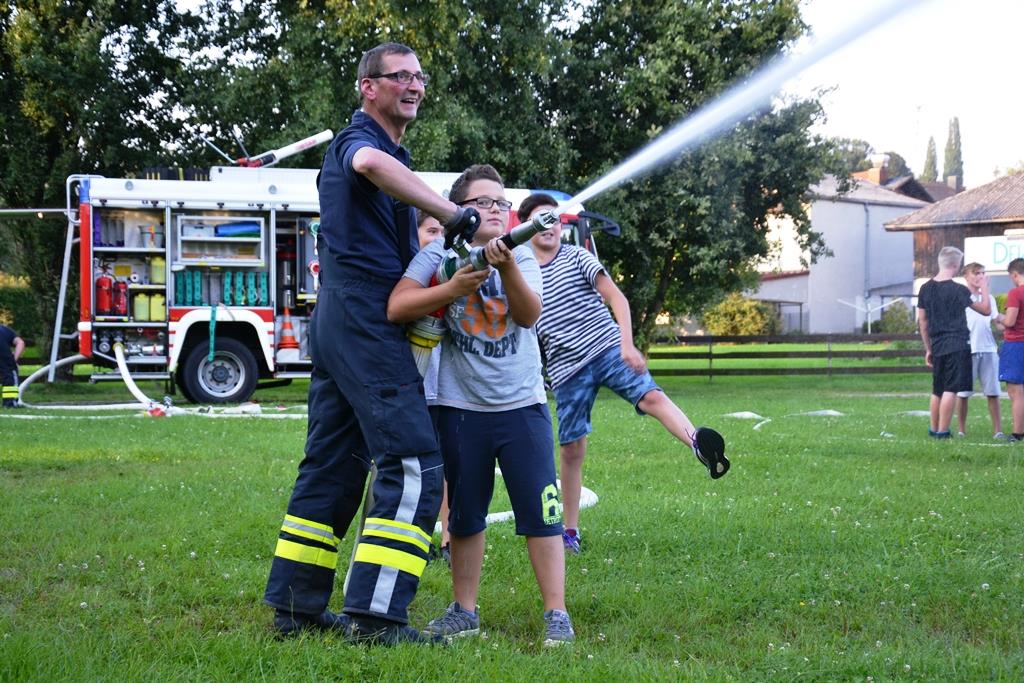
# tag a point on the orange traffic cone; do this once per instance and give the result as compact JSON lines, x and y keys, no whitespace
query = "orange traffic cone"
{"x":287,"y":347}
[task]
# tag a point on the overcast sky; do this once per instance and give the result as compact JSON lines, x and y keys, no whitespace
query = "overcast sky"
{"x":903,"y":82}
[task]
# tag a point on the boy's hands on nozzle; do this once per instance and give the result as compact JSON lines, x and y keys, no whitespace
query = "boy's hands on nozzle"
{"x":463,"y":224}
{"x":467,"y":280}
{"x":499,"y":254}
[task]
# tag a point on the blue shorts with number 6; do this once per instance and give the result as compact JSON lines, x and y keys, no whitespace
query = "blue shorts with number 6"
{"x":520,"y":442}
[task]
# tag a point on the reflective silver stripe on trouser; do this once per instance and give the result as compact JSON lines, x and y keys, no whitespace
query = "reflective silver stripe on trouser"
{"x":412,"y":484}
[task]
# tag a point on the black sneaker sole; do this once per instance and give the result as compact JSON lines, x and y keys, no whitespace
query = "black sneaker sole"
{"x":710,"y":450}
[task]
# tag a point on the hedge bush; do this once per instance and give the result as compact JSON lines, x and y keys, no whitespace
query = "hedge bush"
{"x":18,"y":308}
{"x":896,"y":319}
{"x":739,"y":315}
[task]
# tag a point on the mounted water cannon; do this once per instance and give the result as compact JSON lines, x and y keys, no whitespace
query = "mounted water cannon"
{"x":579,"y":229}
{"x":272,"y":157}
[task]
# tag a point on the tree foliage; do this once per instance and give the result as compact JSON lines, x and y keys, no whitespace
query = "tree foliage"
{"x":690,"y":231}
{"x":896,"y":166}
{"x":86,"y":88}
{"x":931,"y":172}
{"x":486,"y":59}
{"x":953,"y":163}
{"x":851,"y":154}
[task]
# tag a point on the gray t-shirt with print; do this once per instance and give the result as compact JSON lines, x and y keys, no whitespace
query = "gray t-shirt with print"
{"x":488,"y":362}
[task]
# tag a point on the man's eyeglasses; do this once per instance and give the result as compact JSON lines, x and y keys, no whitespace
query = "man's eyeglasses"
{"x":404,"y":77}
{"x":487,"y":202}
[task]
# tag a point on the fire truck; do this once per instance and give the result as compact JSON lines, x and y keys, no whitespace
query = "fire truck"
{"x":208,"y":284}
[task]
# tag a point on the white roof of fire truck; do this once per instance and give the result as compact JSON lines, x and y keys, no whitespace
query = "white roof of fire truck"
{"x":290,"y":189}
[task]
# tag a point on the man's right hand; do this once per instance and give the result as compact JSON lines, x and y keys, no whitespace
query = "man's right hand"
{"x":464,"y":223}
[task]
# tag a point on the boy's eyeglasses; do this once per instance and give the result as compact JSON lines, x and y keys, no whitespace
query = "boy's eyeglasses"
{"x":404,"y":77}
{"x":487,"y":202}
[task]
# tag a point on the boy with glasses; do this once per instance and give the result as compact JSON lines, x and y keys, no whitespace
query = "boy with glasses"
{"x":492,"y":408}
{"x":585,"y":349}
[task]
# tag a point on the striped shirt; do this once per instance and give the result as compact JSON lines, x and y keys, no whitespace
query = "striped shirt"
{"x":575,"y":326}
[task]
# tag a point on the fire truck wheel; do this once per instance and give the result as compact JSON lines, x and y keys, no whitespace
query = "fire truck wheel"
{"x":229,"y":378}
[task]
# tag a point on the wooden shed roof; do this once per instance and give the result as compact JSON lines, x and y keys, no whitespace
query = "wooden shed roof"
{"x":1000,"y":201}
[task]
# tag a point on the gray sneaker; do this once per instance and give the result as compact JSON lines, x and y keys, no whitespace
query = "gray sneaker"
{"x":454,"y":623}
{"x":557,"y":628}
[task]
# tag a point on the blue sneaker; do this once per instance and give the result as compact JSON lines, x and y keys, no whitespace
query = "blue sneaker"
{"x":571,"y":539}
{"x":557,"y":628}
{"x":454,"y":623}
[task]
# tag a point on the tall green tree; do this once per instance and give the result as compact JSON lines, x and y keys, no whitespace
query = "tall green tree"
{"x":487,"y":61}
{"x":896,"y":166}
{"x":87,"y":87}
{"x":931,"y":172}
{"x":692,"y":230}
{"x":953,"y":163}
{"x":851,"y":154}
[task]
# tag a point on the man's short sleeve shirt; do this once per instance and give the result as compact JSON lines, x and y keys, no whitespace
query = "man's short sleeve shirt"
{"x":357,"y":220}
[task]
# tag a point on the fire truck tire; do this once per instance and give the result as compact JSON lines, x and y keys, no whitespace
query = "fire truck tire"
{"x":229,"y":378}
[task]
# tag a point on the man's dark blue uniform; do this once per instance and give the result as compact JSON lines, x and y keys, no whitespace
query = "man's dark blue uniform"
{"x":365,"y":404}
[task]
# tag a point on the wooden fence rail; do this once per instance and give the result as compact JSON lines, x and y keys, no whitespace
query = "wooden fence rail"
{"x":711,"y":355}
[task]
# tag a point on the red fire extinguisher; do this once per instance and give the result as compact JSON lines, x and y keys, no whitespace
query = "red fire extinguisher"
{"x":120,"y":298}
{"x":104,"y":288}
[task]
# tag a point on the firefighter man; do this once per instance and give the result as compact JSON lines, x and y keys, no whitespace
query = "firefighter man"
{"x":9,"y":340}
{"x":366,"y":400}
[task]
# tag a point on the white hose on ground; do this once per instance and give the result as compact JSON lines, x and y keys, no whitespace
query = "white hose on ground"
{"x":42,"y":371}
{"x":127,"y":377}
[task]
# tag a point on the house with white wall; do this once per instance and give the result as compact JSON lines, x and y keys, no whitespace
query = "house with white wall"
{"x":868,"y":267}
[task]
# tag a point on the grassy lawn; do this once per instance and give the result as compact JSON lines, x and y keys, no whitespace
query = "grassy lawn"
{"x":837,"y":548}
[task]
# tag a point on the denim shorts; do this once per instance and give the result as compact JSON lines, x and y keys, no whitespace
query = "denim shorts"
{"x":575,"y":397}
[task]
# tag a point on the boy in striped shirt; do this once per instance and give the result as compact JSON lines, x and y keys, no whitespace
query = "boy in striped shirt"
{"x":584,"y":349}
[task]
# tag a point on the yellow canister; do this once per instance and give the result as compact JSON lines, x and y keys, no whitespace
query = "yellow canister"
{"x":157,"y":270}
{"x":157,"y":309}
{"x":141,"y":307}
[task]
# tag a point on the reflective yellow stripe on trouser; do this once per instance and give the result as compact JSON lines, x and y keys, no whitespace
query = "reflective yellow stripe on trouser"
{"x":10,"y":392}
{"x":307,"y":554}
{"x":390,"y":557}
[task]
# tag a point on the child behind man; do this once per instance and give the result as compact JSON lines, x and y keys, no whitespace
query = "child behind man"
{"x":492,"y":407}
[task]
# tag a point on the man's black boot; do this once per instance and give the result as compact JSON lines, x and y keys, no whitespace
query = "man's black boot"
{"x":288,"y":623}
{"x":369,"y":630}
